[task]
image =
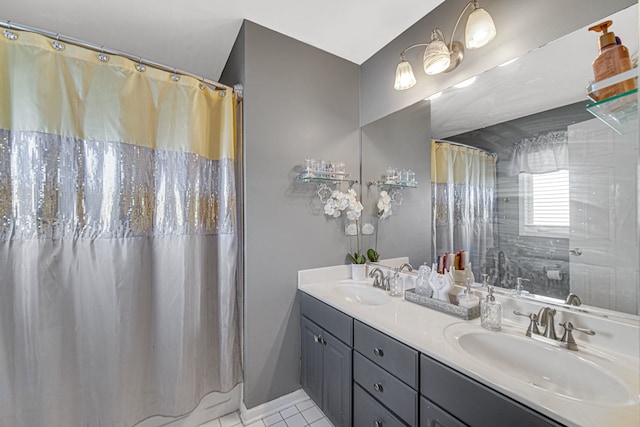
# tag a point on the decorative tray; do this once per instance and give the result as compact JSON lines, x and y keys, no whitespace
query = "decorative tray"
{"x":445,"y":307}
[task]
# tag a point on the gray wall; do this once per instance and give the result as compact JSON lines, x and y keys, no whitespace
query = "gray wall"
{"x":521,"y":26}
{"x":400,"y":140}
{"x":299,"y":102}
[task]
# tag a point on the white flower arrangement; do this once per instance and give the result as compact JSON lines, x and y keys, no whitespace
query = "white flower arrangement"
{"x":384,"y":211}
{"x":339,"y":202}
{"x":384,"y":205}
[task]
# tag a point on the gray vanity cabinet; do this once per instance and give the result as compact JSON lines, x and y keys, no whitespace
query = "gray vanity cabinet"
{"x":386,"y":371}
{"x":360,"y":376}
{"x":326,"y":365}
{"x":467,"y":402}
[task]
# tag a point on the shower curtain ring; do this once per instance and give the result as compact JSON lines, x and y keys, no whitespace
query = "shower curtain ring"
{"x":8,"y":33}
{"x":56,"y":43}
{"x":175,"y":77}
{"x":202,"y":85}
{"x":141,"y":68}
{"x":101,"y":56}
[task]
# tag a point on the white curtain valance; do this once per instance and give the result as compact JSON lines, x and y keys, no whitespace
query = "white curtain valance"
{"x":544,"y":153}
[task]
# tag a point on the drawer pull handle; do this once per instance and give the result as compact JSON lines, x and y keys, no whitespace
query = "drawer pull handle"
{"x":378,"y":352}
{"x":319,"y":339}
{"x":377,"y":424}
{"x":378,"y":387}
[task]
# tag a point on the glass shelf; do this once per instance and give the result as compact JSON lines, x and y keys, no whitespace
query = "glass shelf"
{"x":336,"y":178}
{"x":619,"y":112}
{"x":382,"y":184}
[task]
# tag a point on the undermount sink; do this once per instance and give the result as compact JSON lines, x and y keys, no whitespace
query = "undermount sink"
{"x":542,"y":366}
{"x":362,"y":294}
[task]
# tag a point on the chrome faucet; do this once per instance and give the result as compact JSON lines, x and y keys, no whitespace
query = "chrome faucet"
{"x":544,"y":318}
{"x":573,"y":299}
{"x":567,"y":337}
{"x":379,"y":280}
{"x":407,"y":266}
{"x":519,"y":289}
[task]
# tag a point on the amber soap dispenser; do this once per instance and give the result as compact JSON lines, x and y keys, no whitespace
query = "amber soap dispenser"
{"x":613,"y":59}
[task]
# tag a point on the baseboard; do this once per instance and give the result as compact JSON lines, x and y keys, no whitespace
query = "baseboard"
{"x":249,"y":416}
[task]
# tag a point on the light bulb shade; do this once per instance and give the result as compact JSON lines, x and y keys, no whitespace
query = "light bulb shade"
{"x":436,"y":57}
{"x":480,"y":29}
{"x":404,"y":76}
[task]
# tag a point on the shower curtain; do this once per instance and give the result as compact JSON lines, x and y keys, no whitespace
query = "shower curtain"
{"x":463,"y":192}
{"x":117,"y":238}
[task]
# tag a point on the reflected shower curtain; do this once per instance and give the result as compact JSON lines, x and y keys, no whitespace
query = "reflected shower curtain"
{"x":463,"y":191}
{"x":117,"y":239}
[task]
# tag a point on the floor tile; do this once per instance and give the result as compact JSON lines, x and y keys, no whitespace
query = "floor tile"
{"x":305,"y":405}
{"x":296,"y":421}
{"x":286,"y":413}
{"x":230,"y":420}
{"x":312,"y":414}
{"x":258,"y":423}
{"x":323,"y":422}
{"x":272,"y":419}
{"x":212,"y":423}
{"x":279,"y":424}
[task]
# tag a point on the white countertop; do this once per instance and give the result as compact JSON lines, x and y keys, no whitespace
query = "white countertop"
{"x":423,"y":329}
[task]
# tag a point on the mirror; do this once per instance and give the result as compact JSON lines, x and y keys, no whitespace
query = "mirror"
{"x":537,"y":97}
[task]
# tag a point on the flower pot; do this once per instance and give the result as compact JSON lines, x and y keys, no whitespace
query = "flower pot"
{"x":359,"y":272}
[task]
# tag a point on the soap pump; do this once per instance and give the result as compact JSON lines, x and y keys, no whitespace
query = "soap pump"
{"x":491,"y":312}
{"x":613,"y":59}
{"x":468,"y":299}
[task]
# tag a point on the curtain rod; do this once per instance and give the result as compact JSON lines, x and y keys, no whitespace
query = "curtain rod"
{"x":438,"y":141}
{"x":101,"y":49}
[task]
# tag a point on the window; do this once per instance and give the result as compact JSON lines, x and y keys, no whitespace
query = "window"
{"x":544,"y":205}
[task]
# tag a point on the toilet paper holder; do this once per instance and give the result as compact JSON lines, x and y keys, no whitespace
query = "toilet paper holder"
{"x":554,"y":273}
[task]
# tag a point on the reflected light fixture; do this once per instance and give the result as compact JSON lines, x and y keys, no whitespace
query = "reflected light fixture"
{"x":434,"y":96}
{"x":466,"y":83}
{"x":438,"y":57}
{"x":509,"y":62}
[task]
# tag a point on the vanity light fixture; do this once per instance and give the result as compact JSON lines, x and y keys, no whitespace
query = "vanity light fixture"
{"x":438,"y":57}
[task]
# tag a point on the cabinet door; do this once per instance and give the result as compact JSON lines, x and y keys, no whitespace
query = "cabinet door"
{"x":433,"y":416}
{"x":336,"y":396}
{"x":311,"y":350}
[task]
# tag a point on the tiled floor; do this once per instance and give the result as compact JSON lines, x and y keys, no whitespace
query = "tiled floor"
{"x":301,"y":415}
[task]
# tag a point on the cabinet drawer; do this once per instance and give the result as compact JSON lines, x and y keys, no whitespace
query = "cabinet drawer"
{"x":397,"y":358}
{"x":390,"y":391}
{"x":431,"y":415}
{"x":471,"y":402}
{"x":367,"y":412}
{"x":333,"y":321}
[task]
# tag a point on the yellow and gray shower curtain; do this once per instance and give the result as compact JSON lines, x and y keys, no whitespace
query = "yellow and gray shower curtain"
{"x":118,"y":242}
{"x":463,"y":194}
